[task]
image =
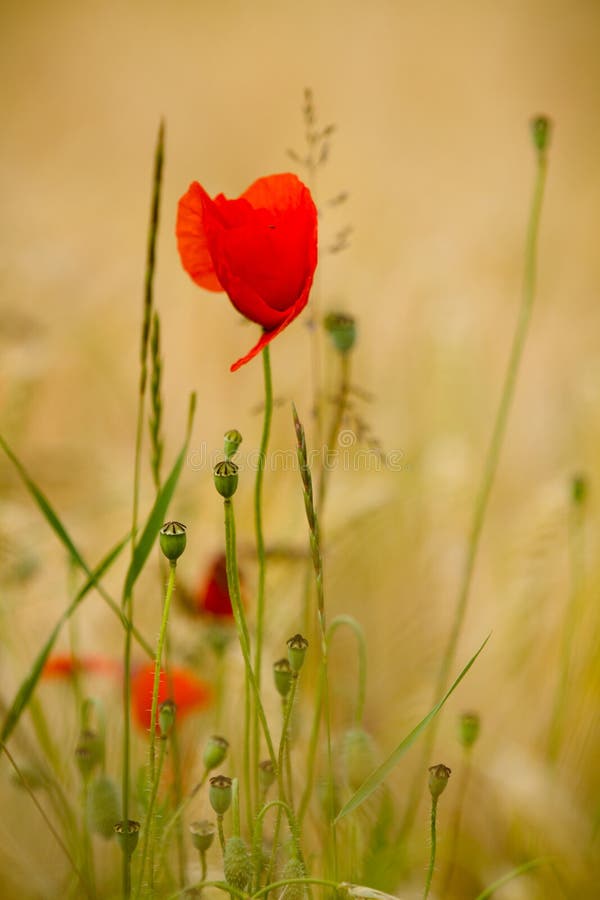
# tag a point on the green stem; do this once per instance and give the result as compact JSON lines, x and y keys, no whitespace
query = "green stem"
{"x":88,"y":853}
{"x":462,"y":790}
{"x":221,"y":833}
{"x":277,"y":884}
{"x":233,"y":583}
{"x":432,"y":848}
{"x":336,"y":424}
{"x":361,"y":691}
{"x":312,"y":746}
{"x":127,"y":607}
{"x":488,"y":476}
{"x":260,"y":549}
{"x":280,"y":780}
{"x":148,"y":836}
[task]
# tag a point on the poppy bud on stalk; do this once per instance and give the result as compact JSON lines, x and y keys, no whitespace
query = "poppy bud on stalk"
{"x":103,"y":806}
{"x":438,"y":779}
{"x":172,"y":540}
{"x":88,"y":753}
{"x":127,"y":837}
{"x":167,"y":712}
{"x":579,"y":489}
{"x":468,"y":729}
{"x":282,"y":675}
{"x":540,"y":131}
{"x":237,"y":864}
{"x":226,"y":478}
{"x":232,"y":442}
{"x":203,"y":834}
{"x":341,"y":330}
{"x":266,"y":774}
{"x":215,"y":752}
{"x":219,"y":794}
{"x":297,"y":647}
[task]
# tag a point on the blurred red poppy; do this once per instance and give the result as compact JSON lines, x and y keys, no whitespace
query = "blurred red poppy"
{"x":66,"y":666}
{"x":185,"y":688}
{"x":212,"y":597}
{"x":260,"y":248}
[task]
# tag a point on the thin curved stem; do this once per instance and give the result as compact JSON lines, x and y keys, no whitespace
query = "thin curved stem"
{"x":432,"y":850}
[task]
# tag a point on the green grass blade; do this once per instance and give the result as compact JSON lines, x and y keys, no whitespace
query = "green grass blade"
{"x":158,"y":512}
{"x":28,"y":686}
{"x":514,"y":873}
{"x":377,"y":777}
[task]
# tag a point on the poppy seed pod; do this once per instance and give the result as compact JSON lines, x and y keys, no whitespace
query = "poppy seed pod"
{"x":203,"y":834}
{"x":215,"y":752}
{"x":103,"y":806}
{"x":341,"y":330}
{"x":579,"y":489}
{"x":438,"y":779}
{"x":540,"y":131}
{"x":172,"y":540}
{"x":88,"y":753}
{"x":225,"y":476}
{"x":468,"y":729}
{"x":297,"y":647}
{"x":167,"y":712}
{"x":237,"y":864}
{"x":266,"y":774}
{"x":127,"y":837}
{"x":282,"y":675}
{"x":219,"y":794}
{"x":231,"y":442}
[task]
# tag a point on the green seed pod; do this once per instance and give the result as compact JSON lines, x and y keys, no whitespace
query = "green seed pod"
{"x":215,"y":752}
{"x":219,"y":794}
{"x":226,"y":478}
{"x":167,"y":713}
{"x":237,"y":864}
{"x":282,"y":675}
{"x":203,"y":834}
{"x":266,"y":774}
{"x":103,"y":808}
{"x":579,"y":489}
{"x":540,"y":131}
{"x":297,"y":647}
{"x":438,"y":779}
{"x":359,"y":756}
{"x":88,"y":753}
{"x":468,"y":729}
{"x":172,"y":540}
{"x":232,"y":442}
{"x":341,"y":330}
{"x":293,"y":869}
{"x":127,"y":838}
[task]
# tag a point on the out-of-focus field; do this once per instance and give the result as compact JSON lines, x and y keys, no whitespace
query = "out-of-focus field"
{"x":431,"y":102}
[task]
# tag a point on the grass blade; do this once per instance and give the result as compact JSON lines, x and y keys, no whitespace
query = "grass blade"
{"x":514,"y":873}
{"x":377,"y":777}
{"x":158,"y":512}
{"x":29,"y":684}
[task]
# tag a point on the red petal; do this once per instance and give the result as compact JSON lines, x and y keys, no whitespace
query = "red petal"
{"x":191,"y":238}
{"x":188,"y":692}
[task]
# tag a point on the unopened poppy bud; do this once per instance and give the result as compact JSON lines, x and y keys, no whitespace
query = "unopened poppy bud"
{"x":282,"y":675}
{"x":215,"y":752}
{"x":540,"y":131}
{"x":226,"y":478}
{"x":237,"y":864}
{"x":293,"y":869}
{"x":579,"y":489}
{"x":438,"y":779}
{"x":88,"y":753}
{"x":167,"y":713}
{"x":232,"y":441}
{"x":359,"y":756}
{"x":103,"y":806}
{"x":219,"y":794}
{"x":468,"y":729}
{"x":203,"y":834}
{"x":297,"y":647}
{"x":341,"y":330}
{"x":172,"y":540}
{"x":266,"y":774}
{"x":127,"y":837}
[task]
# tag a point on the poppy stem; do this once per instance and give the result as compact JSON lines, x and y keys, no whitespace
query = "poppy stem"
{"x":488,"y":477}
{"x":260,"y":550}
{"x":148,"y":836}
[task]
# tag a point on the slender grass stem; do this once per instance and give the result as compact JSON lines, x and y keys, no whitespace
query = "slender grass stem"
{"x":148,"y":836}
{"x":233,"y":583}
{"x":286,"y":802}
{"x":312,"y":746}
{"x":488,"y":476}
{"x":260,"y":550}
{"x":334,"y":429}
{"x":463,"y":784}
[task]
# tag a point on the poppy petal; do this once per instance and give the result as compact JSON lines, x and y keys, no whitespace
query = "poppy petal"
{"x":192,"y":240}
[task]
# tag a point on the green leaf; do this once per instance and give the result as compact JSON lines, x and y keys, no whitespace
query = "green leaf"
{"x":377,"y":777}
{"x":514,"y":873}
{"x":158,"y":512}
{"x":28,"y":686}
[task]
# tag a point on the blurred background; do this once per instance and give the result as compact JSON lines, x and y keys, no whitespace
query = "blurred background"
{"x":431,"y":103}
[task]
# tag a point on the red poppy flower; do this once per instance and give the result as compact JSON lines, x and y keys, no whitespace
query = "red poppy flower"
{"x":66,"y":666}
{"x":261,"y":249}
{"x":213,"y":596}
{"x":185,"y":688}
